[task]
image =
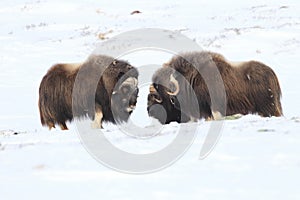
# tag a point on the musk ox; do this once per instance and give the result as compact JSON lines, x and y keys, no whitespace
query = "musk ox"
{"x":102,"y":88}
{"x":248,"y":87}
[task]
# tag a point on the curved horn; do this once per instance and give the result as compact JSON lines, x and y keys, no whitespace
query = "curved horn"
{"x":132,"y":82}
{"x":175,"y":82}
{"x":154,"y":94}
{"x":158,"y":100}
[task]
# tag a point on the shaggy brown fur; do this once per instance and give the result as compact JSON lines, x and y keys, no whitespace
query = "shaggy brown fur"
{"x":250,"y":87}
{"x":99,"y":82}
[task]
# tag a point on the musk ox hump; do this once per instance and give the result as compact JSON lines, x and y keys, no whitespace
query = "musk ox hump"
{"x":71,"y":67}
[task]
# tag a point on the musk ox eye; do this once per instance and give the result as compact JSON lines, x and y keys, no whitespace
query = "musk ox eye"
{"x":172,"y":100}
{"x":120,"y":75}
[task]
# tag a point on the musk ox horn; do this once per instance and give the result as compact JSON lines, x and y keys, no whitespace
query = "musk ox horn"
{"x":153,"y":92}
{"x":130,"y":81}
{"x":175,"y":82}
{"x":152,"y":89}
{"x":133,"y":82}
{"x":158,"y":100}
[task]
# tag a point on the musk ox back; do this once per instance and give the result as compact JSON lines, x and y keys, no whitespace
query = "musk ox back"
{"x":250,"y":87}
{"x":105,"y":90}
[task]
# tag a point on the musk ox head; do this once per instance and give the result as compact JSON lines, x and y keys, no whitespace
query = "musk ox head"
{"x":124,"y":99}
{"x":163,"y":102}
{"x":120,"y":81}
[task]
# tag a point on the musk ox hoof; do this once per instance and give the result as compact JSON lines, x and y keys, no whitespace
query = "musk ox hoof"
{"x":233,"y":117}
{"x":96,"y":125}
{"x":98,"y":119}
{"x":217,"y":115}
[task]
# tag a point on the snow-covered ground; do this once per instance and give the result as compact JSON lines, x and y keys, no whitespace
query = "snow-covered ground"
{"x":255,"y":158}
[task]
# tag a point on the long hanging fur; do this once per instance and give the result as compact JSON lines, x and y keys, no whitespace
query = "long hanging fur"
{"x":56,"y":90}
{"x":250,"y":87}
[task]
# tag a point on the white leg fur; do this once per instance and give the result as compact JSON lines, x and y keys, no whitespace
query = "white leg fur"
{"x":193,"y":119}
{"x":97,"y":123}
{"x":217,"y":115}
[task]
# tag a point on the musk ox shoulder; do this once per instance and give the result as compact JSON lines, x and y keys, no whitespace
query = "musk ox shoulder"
{"x":205,"y":85}
{"x":101,"y":88}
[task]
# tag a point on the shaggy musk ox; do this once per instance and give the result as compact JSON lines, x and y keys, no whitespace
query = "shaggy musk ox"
{"x":102,"y":88}
{"x":248,"y":87}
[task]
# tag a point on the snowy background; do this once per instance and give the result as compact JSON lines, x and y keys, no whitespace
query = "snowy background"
{"x":255,"y":158}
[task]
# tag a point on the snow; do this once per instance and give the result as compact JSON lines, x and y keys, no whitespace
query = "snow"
{"x":255,"y":158}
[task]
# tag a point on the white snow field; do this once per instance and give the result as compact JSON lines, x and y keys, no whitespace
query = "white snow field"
{"x":255,"y":158}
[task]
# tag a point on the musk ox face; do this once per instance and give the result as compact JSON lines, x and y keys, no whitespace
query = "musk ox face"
{"x":120,"y":82}
{"x":163,"y":103}
{"x":124,"y":99}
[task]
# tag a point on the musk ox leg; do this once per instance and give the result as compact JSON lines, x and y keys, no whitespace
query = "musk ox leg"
{"x":209,"y":119}
{"x":273,"y":112}
{"x":193,"y":119}
{"x":278,"y":108}
{"x":278,"y":111}
{"x":50,"y":125}
{"x":97,"y":123}
{"x":63,"y":126}
{"x":233,"y":117}
{"x":217,"y":115}
{"x":272,"y":108}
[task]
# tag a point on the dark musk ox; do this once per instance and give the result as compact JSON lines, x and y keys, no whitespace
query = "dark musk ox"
{"x":102,"y":88}
{"x":242,"y":88}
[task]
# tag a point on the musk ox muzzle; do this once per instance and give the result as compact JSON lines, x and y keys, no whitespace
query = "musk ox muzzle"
{"x":163,"y":103}
{"x":124,"y":99}
{"x":247,"y":88}
{"x":102,"y":89}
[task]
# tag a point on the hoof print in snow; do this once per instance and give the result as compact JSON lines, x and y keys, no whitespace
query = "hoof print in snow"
{"x":135,"y":12}
{"x":266,"y":130}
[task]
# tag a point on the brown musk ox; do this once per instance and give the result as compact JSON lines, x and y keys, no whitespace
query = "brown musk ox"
{"x":242,"y":88}
{"x":101,"y":88}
